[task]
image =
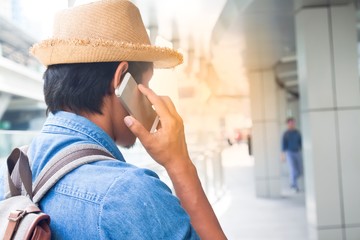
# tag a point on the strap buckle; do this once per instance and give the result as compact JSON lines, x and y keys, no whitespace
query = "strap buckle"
{"x":17,"y":215}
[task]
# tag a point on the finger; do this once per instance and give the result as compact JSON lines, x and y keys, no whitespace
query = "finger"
{"x":160,"y":106}
{"x":137,"y":129}
{"x":172,"y":109}
{"x":169,"y":104}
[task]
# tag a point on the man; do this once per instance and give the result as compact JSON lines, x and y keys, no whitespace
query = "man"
{"x":291,"y":148}
{"x":93,"y":47}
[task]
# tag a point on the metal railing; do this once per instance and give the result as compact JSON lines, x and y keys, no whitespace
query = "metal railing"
{"x":208,"y":162}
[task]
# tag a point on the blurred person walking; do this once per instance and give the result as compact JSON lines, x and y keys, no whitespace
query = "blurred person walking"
{"x":291,"y":151}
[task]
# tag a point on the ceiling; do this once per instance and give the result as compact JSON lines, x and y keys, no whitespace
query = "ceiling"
{"x":15,"y":42}
{"x":227,"y":38}
{"x":232,"y":37}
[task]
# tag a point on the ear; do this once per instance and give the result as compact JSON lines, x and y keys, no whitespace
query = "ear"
{"x":119,"y":74}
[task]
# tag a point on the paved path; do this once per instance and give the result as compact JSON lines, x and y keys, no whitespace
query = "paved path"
{"x":245,"y":217}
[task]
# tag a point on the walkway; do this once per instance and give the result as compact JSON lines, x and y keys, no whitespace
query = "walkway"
{"x":245,"y":217}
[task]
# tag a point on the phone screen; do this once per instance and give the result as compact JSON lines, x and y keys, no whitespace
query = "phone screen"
{"x":137,"y":103}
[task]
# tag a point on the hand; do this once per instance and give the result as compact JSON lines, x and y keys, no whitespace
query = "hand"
{"x":283,"y":158}
{"x":167,"y":145}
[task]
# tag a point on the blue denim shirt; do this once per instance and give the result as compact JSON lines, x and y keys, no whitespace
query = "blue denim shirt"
{"x":104,"y":199}
{"x":291,"y":141}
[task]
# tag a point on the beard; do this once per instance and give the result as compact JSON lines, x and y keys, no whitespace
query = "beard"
{"x":129,"y":146}
{"x":128,"y":143}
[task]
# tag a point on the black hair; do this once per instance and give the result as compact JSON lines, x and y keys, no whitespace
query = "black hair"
{"x":81,"y":87}
{"x":290,"y":119}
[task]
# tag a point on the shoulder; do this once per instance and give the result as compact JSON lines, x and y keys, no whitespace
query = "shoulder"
{"x":142,"y":207}
{"x":106,"y":177}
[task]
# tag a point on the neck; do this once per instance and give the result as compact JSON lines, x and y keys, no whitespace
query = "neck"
{"x":101,"y":121}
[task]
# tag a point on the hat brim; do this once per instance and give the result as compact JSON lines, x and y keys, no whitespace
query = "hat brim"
{"x":60,"y":51}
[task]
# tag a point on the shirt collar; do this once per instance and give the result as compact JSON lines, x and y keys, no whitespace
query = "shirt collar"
{"x":66,"y":122}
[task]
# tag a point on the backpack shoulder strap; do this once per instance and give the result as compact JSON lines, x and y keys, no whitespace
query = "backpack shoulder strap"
{"x":18,"y":173}
{"x":64,"y":162}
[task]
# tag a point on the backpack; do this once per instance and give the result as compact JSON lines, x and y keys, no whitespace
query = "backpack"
{"x":20,"y":215}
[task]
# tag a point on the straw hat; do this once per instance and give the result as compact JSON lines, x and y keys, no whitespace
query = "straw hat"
{"x":102,"y":31}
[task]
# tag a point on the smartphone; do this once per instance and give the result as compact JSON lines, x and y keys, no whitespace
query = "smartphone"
{"x":137,"y":103}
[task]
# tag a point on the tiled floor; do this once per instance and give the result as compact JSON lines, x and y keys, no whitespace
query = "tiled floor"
{"x":245,"y":217}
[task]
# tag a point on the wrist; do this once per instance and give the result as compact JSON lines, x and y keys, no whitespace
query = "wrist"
{"x":181,"y":166}
{"x":186,"y":182}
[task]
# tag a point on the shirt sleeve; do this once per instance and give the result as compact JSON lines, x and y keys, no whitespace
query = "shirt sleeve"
{"x":140,"y":206}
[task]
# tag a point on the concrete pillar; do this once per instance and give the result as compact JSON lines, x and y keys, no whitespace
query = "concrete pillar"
{"x":293,"y":110}
{"x":265,"y":133}
{"x":282,"y":108}
{"x":330,"y":111}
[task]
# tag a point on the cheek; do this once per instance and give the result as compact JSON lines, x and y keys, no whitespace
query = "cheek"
{"x":119,"y":129}
{"x":123,"y":136}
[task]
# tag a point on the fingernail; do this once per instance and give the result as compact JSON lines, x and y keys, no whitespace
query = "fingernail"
{"x":128,"y":121}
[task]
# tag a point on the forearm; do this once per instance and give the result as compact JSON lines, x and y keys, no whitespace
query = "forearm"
{"x":188,"y":188}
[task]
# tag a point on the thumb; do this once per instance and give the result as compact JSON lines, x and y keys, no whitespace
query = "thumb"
{"x":136,"y":128}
